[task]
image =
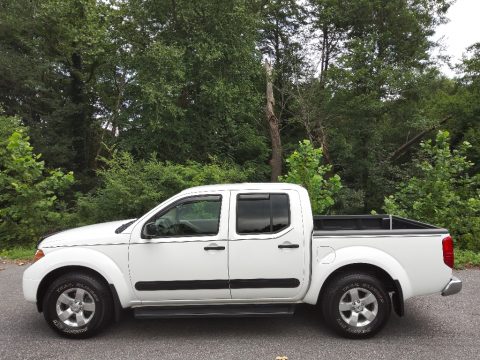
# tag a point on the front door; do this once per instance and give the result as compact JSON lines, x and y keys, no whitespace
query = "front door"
{"x":267,"y":246}
{"x":181,"y":252}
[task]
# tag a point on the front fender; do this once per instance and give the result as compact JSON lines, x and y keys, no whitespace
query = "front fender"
{"x":321,"y":270}
{"x":77,"y":256}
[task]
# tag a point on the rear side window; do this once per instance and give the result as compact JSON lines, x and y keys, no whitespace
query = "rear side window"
{"x":262,"y":213}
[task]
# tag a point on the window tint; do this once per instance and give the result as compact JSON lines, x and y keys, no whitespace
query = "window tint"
{"x":194,"y":216}
{"x":262,"y":213}
{"x":280,"y":212}
{"x":253,"y":216}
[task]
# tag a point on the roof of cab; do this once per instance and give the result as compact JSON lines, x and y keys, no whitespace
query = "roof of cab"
{"x":244,"y":186}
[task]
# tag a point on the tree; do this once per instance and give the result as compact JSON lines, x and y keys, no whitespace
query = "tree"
{"x":281,"y":46}
{"x":67,"y":45}
{"x":29,"y":201}
{"x":464,"y":105}
{"x":442,"y":192}
{"x":273,"y":126}
{"x":197,"y":89}
{"x":306,"y":169}
{"x":365,"y":105}
{"x":186,"y":80}
{"x":129,"y":188}
{"x":145,"y":76}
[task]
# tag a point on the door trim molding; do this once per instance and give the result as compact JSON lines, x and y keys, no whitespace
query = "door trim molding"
{"x":181,"y":285}
{"x":264,"y":283}
{"x":217,"y":284}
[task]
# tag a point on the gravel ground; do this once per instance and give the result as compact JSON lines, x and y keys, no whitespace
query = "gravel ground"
{"x":434,"y":327}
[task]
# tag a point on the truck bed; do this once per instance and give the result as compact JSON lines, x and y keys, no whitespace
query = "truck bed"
{"x":370,"y":224}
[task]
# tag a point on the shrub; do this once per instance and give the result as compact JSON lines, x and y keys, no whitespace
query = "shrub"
{"x":466,"y":258}
{"x":305,"y":168}
{"x":29,"y":203}
{"x":442,"y":192}
{"x":18,"y":253}
{"x":130,"y":187}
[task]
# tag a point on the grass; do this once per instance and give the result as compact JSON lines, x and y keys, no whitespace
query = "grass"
{"x":466,"y":259}
{"x":18,"y":253}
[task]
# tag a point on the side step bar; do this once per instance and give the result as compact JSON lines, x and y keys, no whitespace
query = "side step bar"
{"x":166,"y":312}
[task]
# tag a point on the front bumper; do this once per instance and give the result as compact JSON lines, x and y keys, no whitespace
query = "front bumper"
{"x":453,"y":287}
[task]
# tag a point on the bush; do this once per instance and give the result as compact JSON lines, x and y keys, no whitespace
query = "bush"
{"x":442,"y":192}
{"x":29,"y":204}
{"x":132,"y":187}
{"x":466,"y":258}
{"x":305,"y":168}
{"x":18,"y":253}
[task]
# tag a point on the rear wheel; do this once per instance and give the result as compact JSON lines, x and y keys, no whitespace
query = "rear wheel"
{"x":77,"y":305}
{"x":356,"y":305}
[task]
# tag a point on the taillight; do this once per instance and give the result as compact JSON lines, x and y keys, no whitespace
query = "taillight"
{"x":38,"y":255}
{"x":448,"y":256}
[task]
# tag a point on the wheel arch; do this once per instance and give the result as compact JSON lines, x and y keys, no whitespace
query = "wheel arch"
{"x":60,"y":261}
{"x":56,"y":273}
{"x":361,"y":258}
{"x":391,"y":285}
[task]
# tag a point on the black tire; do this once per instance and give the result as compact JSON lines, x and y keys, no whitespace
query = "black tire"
{"x":340,"y":289}
{"x":96,"y":296}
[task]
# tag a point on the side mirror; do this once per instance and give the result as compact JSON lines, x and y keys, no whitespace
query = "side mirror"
{"x":151,"y":230}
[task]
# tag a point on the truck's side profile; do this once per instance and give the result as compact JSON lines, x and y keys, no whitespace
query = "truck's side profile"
{"x":239,"y":250}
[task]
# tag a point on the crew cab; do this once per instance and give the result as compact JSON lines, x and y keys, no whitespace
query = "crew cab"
{"x":239,"y":250}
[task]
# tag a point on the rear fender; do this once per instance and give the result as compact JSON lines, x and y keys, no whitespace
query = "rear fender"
{"x":355,"y":255}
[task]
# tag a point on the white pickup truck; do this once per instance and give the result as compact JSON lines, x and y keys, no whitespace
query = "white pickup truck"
{"x":239,"y":250}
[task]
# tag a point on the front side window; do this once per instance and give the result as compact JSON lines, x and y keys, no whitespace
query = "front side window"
{"x":262,"y":213}
{"x":189,"y":217}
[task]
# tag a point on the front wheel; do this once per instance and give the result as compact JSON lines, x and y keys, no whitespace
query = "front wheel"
{"x":356,"y":305}
{"x":77,"y":305}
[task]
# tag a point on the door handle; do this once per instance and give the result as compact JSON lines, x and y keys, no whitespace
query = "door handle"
{"x":288,"y":246}
{"x":207,"y":248}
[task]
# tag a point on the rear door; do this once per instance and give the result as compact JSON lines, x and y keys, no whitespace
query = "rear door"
{"x":266,"y":245}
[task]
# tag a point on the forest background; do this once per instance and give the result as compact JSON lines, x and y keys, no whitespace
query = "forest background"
{"x":109,"y":107}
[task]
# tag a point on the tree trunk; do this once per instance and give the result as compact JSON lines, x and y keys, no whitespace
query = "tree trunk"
{"x":402,"y":149}
{"x":273,"y":127}
{"x":79,"y":118}
{"x":315,"y":131}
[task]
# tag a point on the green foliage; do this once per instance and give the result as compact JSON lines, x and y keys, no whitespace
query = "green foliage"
{"x":306,"y":169}
{"x":132,"y":187}
{"x":29,"y":201}
{"x":464,"y":105}
{"x":18,"y":253}
{"x":54,"y":55}
{"x":196,"y":93}
{"x":466,"y":258}
{"x":147,"y":76}
{"x":442,"y":192}
{"x":184,"y":79}
{"x":375,"y":76}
